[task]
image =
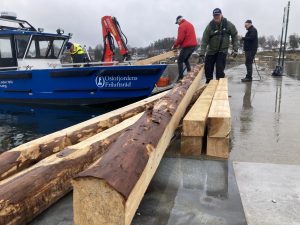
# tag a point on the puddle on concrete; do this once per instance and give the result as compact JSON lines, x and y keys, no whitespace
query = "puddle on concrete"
{"x":265,"y":118}
{"x":190,"y":191}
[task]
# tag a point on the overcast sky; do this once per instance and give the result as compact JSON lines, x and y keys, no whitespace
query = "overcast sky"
{"x":144,"y":21}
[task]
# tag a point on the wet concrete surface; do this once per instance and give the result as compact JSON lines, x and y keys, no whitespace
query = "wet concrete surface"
{"x":270,"y":192}
{"x":191,"y":191}
{"x":265,"y":145}
{"x":265,"y":118}
{"x":265,"y":124}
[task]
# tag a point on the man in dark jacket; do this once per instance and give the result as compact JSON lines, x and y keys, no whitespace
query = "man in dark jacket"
{"x":216,"y":38}
{"x":187,"y":41}
{"x":250,"y":48}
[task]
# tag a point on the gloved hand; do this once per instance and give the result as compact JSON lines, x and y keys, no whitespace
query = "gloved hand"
{"x":234,"y":54}
{"x":174,"y":48}
{"x":201,"y":58}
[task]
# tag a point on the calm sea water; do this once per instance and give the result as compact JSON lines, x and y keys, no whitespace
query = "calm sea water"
{"x":22,"y":123}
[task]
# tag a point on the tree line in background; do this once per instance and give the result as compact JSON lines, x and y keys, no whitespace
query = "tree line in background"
{"x":165,"y":44}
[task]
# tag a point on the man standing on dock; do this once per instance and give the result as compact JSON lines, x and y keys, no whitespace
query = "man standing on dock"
{"x":187,"y":41}
{"x":217,"y":38}
{"x":250,"y":48}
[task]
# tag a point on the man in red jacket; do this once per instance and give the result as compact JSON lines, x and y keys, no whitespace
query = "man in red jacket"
{"x":187,"y":41}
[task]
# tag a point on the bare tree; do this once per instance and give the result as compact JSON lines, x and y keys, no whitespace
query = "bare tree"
{"x":272,"y":42}
{"x":262,"y":42}
{"x":294,"y":41}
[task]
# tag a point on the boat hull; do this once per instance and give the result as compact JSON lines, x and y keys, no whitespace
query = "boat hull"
{"x":80,"y":85}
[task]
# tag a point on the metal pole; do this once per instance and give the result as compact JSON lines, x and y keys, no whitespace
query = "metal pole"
{"x":281,"y":39}
{"x":286,"y":29}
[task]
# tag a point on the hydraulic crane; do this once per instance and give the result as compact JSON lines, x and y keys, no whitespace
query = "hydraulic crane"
{"x":111,"y":30}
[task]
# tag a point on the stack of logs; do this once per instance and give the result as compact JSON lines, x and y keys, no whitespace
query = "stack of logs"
{"x":35,"y":175}
{"x":110,"y":159}
{"x":209,"y":117}
{"x":126,"y":146}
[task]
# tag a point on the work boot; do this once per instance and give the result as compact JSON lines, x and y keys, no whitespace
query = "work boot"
{"x":179,"y":78}
{"x":207,"y":81}
{"x":247,"y":79}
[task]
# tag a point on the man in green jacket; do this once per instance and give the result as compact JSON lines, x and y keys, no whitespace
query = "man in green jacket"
{"x":215,"y":43}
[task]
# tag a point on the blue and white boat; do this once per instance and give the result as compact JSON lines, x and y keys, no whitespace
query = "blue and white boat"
{"x":31,"y":71}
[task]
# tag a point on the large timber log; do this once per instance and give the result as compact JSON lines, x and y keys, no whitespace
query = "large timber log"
{"x":25,"y":155}
{"x":26,"y":194}
{"x":110,"y":191}
{"x":157,"y":58}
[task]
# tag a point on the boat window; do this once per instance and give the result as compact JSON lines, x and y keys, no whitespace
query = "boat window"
{"x":57,"y":45}
{"x":21,"y":44}
{"x":5,"y":48}
{"x":32,"y":50}
{"x":15,"y":24}
{"x":45,"y":47}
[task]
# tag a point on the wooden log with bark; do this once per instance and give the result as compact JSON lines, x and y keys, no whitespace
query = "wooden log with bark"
{"x":26,"y":194}
{"x":26,"y":155}
{"x":110,"y":191}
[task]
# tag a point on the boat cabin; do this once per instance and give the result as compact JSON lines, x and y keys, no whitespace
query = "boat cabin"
{"x":23,"y":47}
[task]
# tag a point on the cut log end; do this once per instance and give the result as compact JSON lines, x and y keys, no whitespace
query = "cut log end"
{"x":191,"y":146}
{"x":90,"y":192}
{"x":218,"y":147}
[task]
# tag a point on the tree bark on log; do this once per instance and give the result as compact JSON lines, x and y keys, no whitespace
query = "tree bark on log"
{"x":26,"y":155}
{"x":110,"y":191}
{"x":26,"y":194}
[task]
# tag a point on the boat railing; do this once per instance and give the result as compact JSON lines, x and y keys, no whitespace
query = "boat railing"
{"x":16,"y":68}
{"x":70,"y":65}
{"x":113,"y":63}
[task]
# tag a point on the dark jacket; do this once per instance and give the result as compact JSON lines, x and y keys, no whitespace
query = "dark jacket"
{"x":251,"y":40}
{"x":186,"y":35}
{"x":212,"y":37}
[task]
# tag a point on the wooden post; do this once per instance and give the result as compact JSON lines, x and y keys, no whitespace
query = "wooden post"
{"x":110,"y":191}
{"x":28,"y":193}
{"x":157,"y":58}
{"x":219,"y":122}
{"x":191,"y":145}
{"x":218,"y":147}
{"x":26,"y":155}
{"x":194,"y":122}
{"x":219,"y":119}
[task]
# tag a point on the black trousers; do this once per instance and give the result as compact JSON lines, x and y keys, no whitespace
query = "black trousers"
{"x":184,"y":56}
{"x":249,"y":61}
{"x":80,"y":58}
{"x":218,"y":59}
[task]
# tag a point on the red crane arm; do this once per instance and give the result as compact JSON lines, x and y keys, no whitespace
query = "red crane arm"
{"x":111,"y":29}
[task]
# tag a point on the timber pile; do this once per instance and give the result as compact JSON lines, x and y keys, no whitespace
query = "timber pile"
{"x":219,"y":122}
{"x":26,"y":155}
{"x":41,"y":173}
{"x":208,"y":120}
{"x":194,"y":123}
{"x":28,"y":193}
{"x":35,"y":175}
{"x":110,"y":191}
